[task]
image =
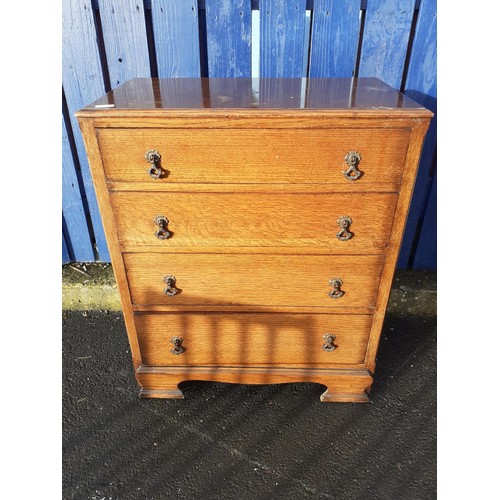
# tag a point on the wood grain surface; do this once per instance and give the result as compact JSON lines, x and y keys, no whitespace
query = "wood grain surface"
{"x":343,"y":384}
{"x":252,"y":197}
{"x":176,"y":36}
{"x":384,"y":46}
{"x":334,"y":38}
{"x":81,"y":63}
{"x":352,"y":187}
{"x":268,"y":119}
{"x":254,"y":156}
{"x":200,"y":220}
{"x":94,"y":156}
{"x":74,"y":221}
{"x":228,"y":33}
{"x":257,"y":280}
{"x":125,"y":41}
{"x":401,"y":213}
{"x":252,"y":339}
{"x":282,"y":41}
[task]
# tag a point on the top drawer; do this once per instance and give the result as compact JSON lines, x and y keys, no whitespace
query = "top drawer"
{"x":230,"y":156}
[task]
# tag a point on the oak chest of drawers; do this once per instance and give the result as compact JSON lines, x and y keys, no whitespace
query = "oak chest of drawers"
{"x":254,"y":225}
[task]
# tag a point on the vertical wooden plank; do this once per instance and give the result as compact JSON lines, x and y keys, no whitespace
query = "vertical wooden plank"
{"x":426,"y":252}
{"x":229,"y":38}
{"x":65,"y":253}
{"x":385,"y":39}
{"x":334,"y":38}
{"x":125,"y":40}
{"x":423,"y":59}
{"x":75,"y":222}
{"x":177,"y":44}
{"x":421,"y":85}
{"x":83,"y":83}
{"x":282,"y":26}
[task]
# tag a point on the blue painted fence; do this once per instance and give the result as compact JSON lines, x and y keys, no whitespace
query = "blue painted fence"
{"x":106,"y":42}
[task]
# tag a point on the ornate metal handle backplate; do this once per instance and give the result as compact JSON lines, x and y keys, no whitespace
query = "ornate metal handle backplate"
{"x":352,"y":159}
{"x":177,"y":349}
{"x":162,"y":222}
{"x":336,"y":293}
{"x":170,"y":290}
{"x":328,"y":346}
{"x":344,"y":234}
{"x":153,"y":157}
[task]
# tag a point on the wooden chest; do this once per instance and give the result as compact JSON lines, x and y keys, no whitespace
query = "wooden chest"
{"x":254,"y":225}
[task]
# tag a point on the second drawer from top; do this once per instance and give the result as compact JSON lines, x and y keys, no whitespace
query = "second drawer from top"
{"x":342,"y":223}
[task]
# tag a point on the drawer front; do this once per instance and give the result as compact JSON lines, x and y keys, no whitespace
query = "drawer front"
{"x":257,"y":339}
{"x":346,"y":223}
{"x":253,"y":279}
{"x":254,"y":156}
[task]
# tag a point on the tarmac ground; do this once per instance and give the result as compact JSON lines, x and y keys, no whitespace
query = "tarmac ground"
{"x":230,"y":441}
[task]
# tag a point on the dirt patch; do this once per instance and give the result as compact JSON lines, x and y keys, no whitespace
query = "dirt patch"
{"x":94,"y":273}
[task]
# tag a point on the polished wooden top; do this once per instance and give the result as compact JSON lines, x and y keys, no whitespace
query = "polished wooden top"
{"x":198,"y":94}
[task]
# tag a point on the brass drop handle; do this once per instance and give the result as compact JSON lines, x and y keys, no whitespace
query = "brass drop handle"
{"x":352,"y":159}
{"x":162,"y":222}
{"x":344,"y":222}
{"x":177,"y":349}
{"x":329,"y":346}
{"x":153,"y":157}
{"x":336,"y":293}
{"x":171,"y":289}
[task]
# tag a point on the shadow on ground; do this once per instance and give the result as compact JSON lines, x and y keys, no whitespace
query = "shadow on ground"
{"x":246,"y":442}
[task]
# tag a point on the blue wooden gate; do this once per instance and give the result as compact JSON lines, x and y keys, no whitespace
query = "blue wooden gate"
{"x":106,"y":42}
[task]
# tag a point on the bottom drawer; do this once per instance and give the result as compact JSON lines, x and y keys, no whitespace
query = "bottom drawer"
{"x":212,"y":339}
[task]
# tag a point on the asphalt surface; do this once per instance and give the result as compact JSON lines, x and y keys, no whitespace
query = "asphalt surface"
{"x":241,"y":442}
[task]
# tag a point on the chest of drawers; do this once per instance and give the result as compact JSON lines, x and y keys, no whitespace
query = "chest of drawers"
{"x":254,"y":225}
